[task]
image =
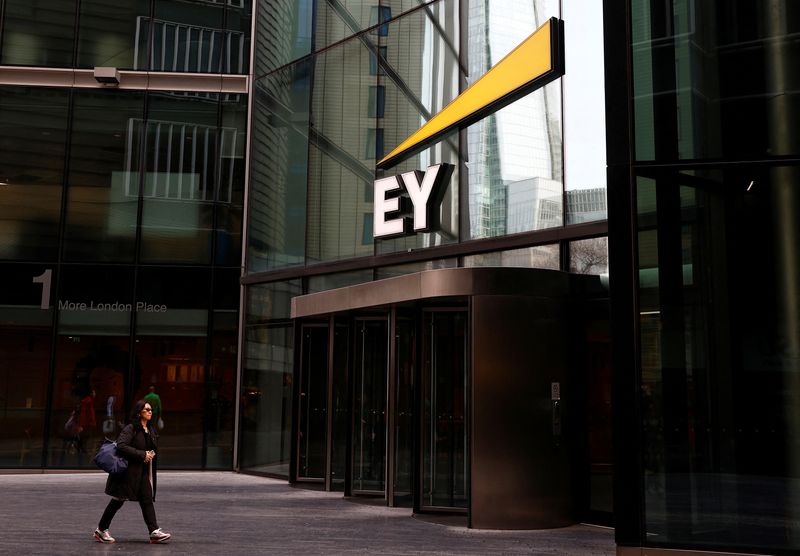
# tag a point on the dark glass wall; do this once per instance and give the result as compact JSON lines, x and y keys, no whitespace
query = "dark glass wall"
{"x":194,"y":36}
{"x":716,"y":263}
{"x":121,"y":217}
{"x":718,"y":320}
{"x":715,"y":79}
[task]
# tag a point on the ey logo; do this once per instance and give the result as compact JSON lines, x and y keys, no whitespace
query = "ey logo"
{"x":538,"y":60}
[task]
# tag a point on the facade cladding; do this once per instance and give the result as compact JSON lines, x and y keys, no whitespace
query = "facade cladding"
{"x":133,"y":218}
{"x":120,"y":225}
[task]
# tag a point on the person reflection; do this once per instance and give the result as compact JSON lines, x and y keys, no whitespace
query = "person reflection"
{"x":87,"y":423}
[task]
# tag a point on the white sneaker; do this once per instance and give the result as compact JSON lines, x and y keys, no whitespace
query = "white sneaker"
{"x":159,"y":536}
{"x":103,"y":536}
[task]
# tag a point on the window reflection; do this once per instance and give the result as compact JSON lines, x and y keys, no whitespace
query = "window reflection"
{"x":38,"y":33}
{"x":689,"y":105}
{"x":277,"y":230}
{"x":718,"y":321}
{"x":33,"y":126}
{"x":103,"y":186}
{"x":171,"y":338}
{"x":182,"y":161}
{"x":589,"y":256}
{"x":25,"y":336}
{"x":541,"y":256}
{"x":188,"y":36}
{"x":114,"y":34}
{"x":515,"y":155}
{"x":267,"y":377}
{"x":92,"y":361}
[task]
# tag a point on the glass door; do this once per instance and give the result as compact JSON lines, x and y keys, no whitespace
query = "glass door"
{"x":370,"y":397}
{"x":444,"y":400}
{"x":313,"y":406}
{"x":405,"y":367}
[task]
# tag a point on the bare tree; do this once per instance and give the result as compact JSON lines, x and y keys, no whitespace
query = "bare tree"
{"x":589,"y":256}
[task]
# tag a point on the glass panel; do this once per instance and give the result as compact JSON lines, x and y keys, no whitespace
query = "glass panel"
{"x":114,"y":35}
{"x":340,"y":280}
{"x":285,"y":33}
{"x":400,"y":270}
{"x":335,"y":21}
{"x":369,"y":434}
{"x":584,"y":113}
{"x":38,"y":33}
{"x":404,"y":412}
{"x":444,"y":392}
{"x":182,"y":161}
{"x":589,"y":256}
{"x":719,"y":358}
{"x":93,"y":357}
{"x":238,"y":18}
{"x":278,"y":180}
{"x":586,"y":205}
{"x":421,"y":76}
{"x":103,"y":186}
{"x":220,"y":393}
{"x":267,"y":399}
{"x":340,"y":408}
{"x":171,"y":335}
{"x":33,"y":126}
{"x":25,"y":335}
{"x":313,"y":403}
{"x":690,"y":105}
{"x":515,"y":155}
{"x":188,"y":36}
{"x":541,"y":256}
{"x":341,"y":162}
{"x":230,"y":185}
{"x":267,"y":371}
{"x":271,"y":302}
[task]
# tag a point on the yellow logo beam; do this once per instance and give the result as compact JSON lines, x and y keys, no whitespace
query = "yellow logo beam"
{"x":534,"y":63}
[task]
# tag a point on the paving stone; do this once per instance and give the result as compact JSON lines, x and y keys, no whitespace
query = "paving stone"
{"x":229,"y":513}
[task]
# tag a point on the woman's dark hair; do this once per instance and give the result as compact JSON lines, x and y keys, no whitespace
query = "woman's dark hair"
{"x":136,"y":413}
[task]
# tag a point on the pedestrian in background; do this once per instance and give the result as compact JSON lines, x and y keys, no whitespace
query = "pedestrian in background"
{"x":137,"y":443}
{"x":155,"y":401}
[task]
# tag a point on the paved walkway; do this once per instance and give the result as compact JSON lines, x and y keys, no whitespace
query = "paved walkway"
{"x":227,"y":513}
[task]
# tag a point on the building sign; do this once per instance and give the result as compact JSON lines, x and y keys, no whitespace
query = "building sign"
{"x":530,"y":66}
{"x":46,"y":280}
{"x":537,"y":61}
{"x":397,"y":213}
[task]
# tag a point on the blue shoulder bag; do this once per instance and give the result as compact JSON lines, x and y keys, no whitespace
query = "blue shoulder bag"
{"x":108,"y":460}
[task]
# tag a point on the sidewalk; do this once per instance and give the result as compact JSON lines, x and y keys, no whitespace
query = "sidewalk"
{"x":226,"y":513}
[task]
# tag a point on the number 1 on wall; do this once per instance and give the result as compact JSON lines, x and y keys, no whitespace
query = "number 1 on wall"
{"x":44,"y":279}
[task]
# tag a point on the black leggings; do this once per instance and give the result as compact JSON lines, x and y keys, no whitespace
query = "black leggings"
{"x":148,"y":512}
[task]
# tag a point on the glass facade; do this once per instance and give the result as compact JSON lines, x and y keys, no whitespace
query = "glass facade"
{"x":191,"y":36}
{"x":719,"y":366}
{"x":714,"y":209}
{"x":337,"y":85}
{"x":120,"y":230}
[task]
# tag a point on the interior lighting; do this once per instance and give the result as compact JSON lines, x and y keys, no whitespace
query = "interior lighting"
{"x":749,"y":187}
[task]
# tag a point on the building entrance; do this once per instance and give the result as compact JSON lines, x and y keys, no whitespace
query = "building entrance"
{"x":376,"y":420}
{"x":457,"y":390}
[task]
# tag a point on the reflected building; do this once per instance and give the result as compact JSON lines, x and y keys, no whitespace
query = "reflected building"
{"x":520,"y":143}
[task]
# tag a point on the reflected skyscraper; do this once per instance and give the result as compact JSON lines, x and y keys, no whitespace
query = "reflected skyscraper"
{"x":519,"y":143}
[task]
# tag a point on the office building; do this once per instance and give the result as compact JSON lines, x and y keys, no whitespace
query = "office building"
{"x":598,"y":323}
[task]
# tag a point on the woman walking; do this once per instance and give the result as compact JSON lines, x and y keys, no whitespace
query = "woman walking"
{"x":136,"y":443}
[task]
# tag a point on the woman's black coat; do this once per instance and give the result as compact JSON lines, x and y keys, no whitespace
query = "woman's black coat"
{"x":132,"y":445}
